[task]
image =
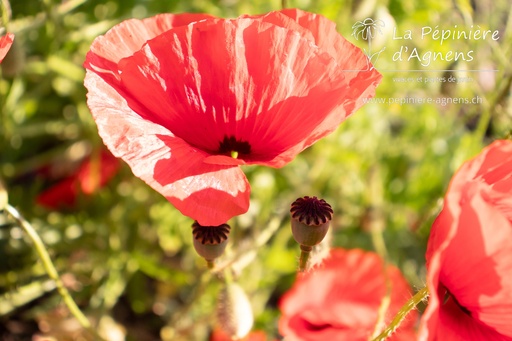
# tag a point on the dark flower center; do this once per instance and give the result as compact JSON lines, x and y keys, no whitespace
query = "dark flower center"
{"x":232,"y":147}
{"x":311,"y":211}
{"x":449,"y":295}
{"x":316,"y":327}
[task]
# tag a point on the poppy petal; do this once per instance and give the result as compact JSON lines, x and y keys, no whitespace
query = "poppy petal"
{"x":359,"y":73}
{"x":219,"y":335}
{"x":93,"y":173}
{"x":97,"y":171}
{"x":62,"y":194}
{"x":106,"y":51}
{"x":210,"y":194}
{"x":5,"y":44}
{"x":486,"y":292}
{"x":134,"y":33}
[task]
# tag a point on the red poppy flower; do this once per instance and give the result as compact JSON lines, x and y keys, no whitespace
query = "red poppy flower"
{"x":93,"y":174}
{"x":186,"y":99}
{"x":341,"y":299}
{"x":469,"y":254}
{"x":5,"y":44}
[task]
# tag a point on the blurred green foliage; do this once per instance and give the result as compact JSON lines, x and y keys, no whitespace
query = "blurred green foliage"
{"x":126,"y":253}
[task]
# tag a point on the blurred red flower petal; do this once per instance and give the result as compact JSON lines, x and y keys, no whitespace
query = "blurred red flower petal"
{"x":93,"y":174}
{"x":469,"y":255}
{"x":219,"y":335}
{"x":5,"y":44}
{"x":340,"y":299}
{"x":182,"y":93}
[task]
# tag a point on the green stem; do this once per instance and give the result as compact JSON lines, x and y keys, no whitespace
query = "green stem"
{"x":50,"y":268}
{"x":283,"y":4}
{"x":305,"y":251}
{"x":228,"y":276}
{"x":210,"y":264}
{"x":183,"y":312}
{"x":249,"y":253}
{"x":401,"y":315}
{"x":6,"y":13}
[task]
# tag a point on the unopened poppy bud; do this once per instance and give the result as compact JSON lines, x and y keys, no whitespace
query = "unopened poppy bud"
{"x":311,"y":218}
{"x":234,"y":312}
{"x":210,"y":241}
{"x":3,"y":196}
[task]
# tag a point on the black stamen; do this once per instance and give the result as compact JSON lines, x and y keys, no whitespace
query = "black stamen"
{"x":231,"y":144}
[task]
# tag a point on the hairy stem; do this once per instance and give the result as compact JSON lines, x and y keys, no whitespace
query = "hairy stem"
{"x":401,"y":315}
{"x":50,"y":269}
{"x":305,"y":251}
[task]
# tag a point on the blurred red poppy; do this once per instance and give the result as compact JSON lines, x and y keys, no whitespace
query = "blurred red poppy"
{"x":92,"y":174}
{"x":469,"y":254}
{"x":186,"y":99}
{"x":5,"y":44}
{"x":341,"y":299}
{"x":219,"y":335}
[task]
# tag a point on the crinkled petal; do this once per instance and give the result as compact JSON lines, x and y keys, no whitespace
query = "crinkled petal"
{"x":358,"y":71}
{"x":208,"y":193}
{"x":124,"y":39}
{"x":5,"y":44}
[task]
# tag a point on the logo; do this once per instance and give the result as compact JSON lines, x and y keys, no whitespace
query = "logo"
{"x":366,"y":30}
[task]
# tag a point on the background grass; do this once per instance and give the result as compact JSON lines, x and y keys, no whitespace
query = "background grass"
{"x":126,"y":254}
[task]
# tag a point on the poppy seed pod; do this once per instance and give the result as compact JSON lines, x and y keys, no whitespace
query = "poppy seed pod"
{"x":210,"y":241}
{"x":311,"y":218}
